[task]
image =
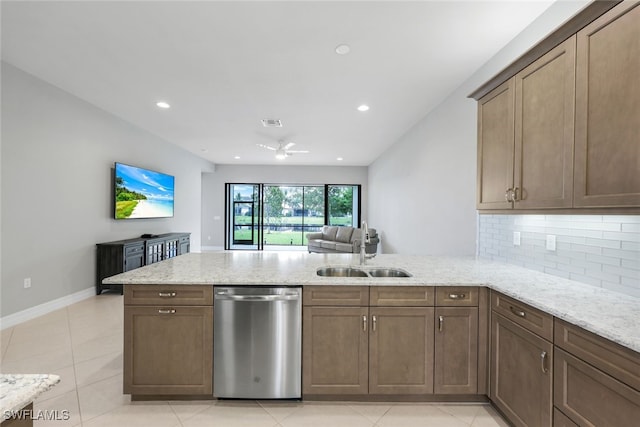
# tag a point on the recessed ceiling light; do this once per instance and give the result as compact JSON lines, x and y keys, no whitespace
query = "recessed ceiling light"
{"x":236,"y":157}
{"x":163,"y":104}
{"x":339,"y":159}
{"x":204,"y":150}
{"x":343,"y":49}
{"x":363,"y":107}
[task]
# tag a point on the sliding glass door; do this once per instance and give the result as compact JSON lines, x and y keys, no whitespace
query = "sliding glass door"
{"x":243,"y":217}
{"x":275,"y":216}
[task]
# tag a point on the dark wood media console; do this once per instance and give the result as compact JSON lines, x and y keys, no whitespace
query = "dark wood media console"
{"x":125,"y":255}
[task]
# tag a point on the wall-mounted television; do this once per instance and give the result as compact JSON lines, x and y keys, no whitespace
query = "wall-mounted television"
{"x":142,"y":193}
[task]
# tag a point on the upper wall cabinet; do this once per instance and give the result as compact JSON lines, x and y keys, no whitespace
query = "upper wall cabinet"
{"x":607,"y":167}
{"x":525,"y":136}
{"x":495,"y":148}
{"x":543,"y":164}
{"x":560,"y":128}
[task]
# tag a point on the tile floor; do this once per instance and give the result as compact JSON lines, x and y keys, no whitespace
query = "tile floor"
{"x":83,"y":344}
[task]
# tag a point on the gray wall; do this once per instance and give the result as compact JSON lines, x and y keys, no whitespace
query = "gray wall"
{"x":213,"y":189}
{"x":602,"y":251}
{"x":423,"y":189}
{"x":57,"y":156}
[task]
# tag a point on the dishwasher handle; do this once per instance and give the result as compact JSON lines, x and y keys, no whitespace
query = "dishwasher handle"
{"x":283,"y":297}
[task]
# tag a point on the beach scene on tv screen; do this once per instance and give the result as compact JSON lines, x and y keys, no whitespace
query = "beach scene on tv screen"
{"x":141,"y":193}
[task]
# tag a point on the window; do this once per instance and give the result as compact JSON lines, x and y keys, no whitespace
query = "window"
{"x":273,"y":215}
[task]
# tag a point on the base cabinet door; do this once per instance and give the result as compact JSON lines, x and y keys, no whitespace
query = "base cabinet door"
{"x":521,"y":374}
{"x":456,"y":350}
{"x":168,"y":350}
{"x":401,"y":350}
{"x":335,"y":350}
{"x":590,"y":397}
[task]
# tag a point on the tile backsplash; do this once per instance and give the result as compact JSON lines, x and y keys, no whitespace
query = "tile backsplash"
{"x":599,"y":250}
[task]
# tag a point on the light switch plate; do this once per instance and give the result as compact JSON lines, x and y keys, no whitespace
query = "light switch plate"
{"x":551,"y":242}
{"x":516,"y":238}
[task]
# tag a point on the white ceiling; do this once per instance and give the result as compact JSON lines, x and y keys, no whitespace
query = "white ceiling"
{"x":224,"y":66}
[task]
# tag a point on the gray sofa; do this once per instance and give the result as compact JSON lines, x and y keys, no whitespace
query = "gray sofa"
{"x":341,"y":239}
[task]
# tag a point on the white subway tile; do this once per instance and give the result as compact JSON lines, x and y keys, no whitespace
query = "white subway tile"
{"x":631,"y":228}
{"x":603,"y":259}
{"x":631,"y":282}
{"x":571,"y":269}
{"x":629,"y":263}
{"x":586,"y":249}
{"x":623,"y":219}
{"x":618,"y":253}
{"x":621,"y":271}
{"x":613,"y":244}
{"x":585,"y":279}
{"x":627,"y":290}
{"x":625,"y":237}
{"x":631,"y":246}
{"x":556,"y":272}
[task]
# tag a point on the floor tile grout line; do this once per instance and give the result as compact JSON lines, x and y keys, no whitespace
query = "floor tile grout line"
{"x":75,"y":373}
{"x":4,"y":352}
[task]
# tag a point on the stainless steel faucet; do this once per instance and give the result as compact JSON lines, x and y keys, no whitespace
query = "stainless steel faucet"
{"x":365,"y":239}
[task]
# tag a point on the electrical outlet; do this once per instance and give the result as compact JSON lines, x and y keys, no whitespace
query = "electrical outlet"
{"x":551,"y":242}
{"x":27,"y":282}
{"x":516,"y":238}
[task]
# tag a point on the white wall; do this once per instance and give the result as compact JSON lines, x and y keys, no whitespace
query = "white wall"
{"x":423,"y":189}
{"x":57,"y":158}
{"x":213,"y":189}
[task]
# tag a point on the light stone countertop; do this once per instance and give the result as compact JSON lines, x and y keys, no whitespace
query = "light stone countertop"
{"x":612,"y":315}
{"x":19,"y":390}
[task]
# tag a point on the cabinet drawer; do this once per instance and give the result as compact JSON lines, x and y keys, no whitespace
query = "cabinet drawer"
{"x":353,"y":296}
{"x":168,"y":295}
{"x":524,"y":315}
{"x":134,"y":249}
{"x":401,"y":296}
{"x":452,"y":296}
{"x":616,"y":360}
{"x":590,"y":397}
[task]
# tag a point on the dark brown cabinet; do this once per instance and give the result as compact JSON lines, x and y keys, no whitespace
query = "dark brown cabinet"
{"x":401,"y":350}
{"x":125,"y":255}
{"x":521,"y":368}
{"x":558,"y":129}
{"x":335,"y":350}
{"x":544,"y":137}
{"x":495,"y":147}
{"x":168,"y":340}
{"x":367,"y":348}
{"x":525,"y":136}
{"x":596,"y":382}
{"x":456,"y":350}
{"x":608,"y":110}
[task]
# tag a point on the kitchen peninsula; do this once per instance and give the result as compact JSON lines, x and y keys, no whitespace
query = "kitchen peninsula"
{"x":564,"y":322}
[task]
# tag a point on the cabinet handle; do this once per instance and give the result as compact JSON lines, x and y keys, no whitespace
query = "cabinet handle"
{"x":364,"y":323}
{"x":457,"y":296}
{"x":514,"y":197}
{"x":166,"y":294}
{"x":440,"y":322}
{"x":543,"y":360}
{"x":166,"y":311}
{"x":507,"y":195}
{"x":519,"y":313}
{"x":374,"y":320}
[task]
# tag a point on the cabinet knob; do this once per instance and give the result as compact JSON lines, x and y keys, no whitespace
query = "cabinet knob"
{"x":440,"y":322}
{"x":375,"y":321}
{"x":166,"y":311}
{"x":457,"y":296}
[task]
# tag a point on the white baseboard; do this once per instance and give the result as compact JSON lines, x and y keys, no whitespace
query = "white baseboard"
{"x":212,"y":248}
{"x":47,"y":307}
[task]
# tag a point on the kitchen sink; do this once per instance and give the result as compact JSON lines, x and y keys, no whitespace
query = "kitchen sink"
{"x":389,"y":272}
{"x":341,"y":272}
{"x":356,"y":272}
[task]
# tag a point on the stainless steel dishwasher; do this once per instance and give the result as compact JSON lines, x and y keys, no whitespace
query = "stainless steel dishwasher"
{"x":257,"y":342}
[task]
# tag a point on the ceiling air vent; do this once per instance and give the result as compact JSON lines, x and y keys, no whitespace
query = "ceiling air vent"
{"x":271,"y":123}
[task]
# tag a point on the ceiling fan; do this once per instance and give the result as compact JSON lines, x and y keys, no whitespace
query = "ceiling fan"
{"x":283,"y":150}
